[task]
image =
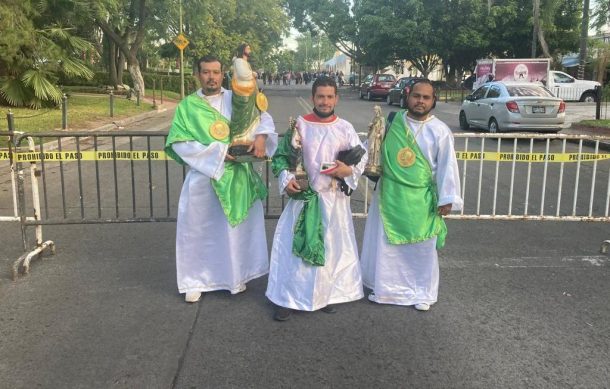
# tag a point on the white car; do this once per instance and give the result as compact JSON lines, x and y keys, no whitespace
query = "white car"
{"x":506,"y":106}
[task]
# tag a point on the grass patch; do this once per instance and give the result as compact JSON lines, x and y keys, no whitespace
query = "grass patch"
{"x":596,"y":123}
{"x":166,"y":95}
{"x":84,"y":112}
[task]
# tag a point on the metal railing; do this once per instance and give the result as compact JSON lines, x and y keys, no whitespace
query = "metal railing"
{"x":124,"y":177}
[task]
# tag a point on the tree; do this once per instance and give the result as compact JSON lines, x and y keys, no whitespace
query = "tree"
{"x":601,"y":15}
{"x":466,"y":39}
{"x":124,"y":23}
{"x":312,"y":51}
{"x":35,"y":50}
{"x":219,"y":26}
{"x":337,"y":20}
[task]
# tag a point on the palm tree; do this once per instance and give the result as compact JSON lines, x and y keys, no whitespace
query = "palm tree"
{"x":40,"y":52}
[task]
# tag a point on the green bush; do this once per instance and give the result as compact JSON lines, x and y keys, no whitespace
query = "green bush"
{"x":171,"y":82}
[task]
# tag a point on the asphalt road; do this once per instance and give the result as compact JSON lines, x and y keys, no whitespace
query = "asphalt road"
{"x":522,"y":304}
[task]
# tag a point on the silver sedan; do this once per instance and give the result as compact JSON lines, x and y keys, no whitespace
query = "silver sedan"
{"x":504,"y":106}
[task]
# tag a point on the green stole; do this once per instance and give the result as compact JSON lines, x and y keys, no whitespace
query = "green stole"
{"x":245,"y":115}
{"x":240,"y":186}
{"x":408,"y":195}
{"x":308,"y":237}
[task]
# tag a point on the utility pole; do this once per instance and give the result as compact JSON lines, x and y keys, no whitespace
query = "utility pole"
{"x":536,"y":20}
{"x":584,"y":34}
{"x":307,"y":41}
{"x":319,"y":55}
{"x":181,"y":59}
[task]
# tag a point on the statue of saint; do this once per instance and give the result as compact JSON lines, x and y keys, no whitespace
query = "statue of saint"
{"x":297,"y":165}
{"x":248,"y":103}
{"x":375,"y":137}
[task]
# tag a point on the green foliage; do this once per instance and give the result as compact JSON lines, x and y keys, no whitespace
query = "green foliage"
{"x":33,"y":52}
{"x":219,"y":26}
{"x":171,"y":82}
{"x":311,"y":52}
{"x":601,"y":15}
{"x":428,"y":32}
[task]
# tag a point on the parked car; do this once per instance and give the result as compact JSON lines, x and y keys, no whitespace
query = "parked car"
{"x":376,"y":86}
{"x":505,"y":106}
{"x":399,"y":91}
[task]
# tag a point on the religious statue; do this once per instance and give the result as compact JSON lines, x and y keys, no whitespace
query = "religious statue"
{"x":247,"y":103}
{"x":296,"y":163}
{"x":375,"y":137}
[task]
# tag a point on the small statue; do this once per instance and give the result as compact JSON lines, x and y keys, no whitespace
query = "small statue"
{"x":247,"y":103}
{"x":296,"y":164}
{"x":375,"y":137}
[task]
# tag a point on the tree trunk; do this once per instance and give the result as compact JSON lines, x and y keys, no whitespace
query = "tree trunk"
{"x":602,"y":62}
{"x":536,"y":26}
{"x":120,"y":67}
{"x":543,"y":45}
{"x":136,"y":75}
{"x":112,"y":70}
{"x":130,"y":49}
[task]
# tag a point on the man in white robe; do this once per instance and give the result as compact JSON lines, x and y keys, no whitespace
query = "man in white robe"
{"x":402,"y":268}
{"x":213,"y":251}
{"x":295,"y":284}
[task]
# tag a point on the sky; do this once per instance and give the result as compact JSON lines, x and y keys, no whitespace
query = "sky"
{"x":290,"y":41}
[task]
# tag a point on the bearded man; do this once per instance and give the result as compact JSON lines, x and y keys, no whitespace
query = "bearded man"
{"x":419,"y":185}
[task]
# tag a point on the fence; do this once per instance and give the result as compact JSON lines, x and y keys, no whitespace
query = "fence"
{"x":124,"y":177}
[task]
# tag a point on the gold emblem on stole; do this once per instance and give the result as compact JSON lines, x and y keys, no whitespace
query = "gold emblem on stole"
{"x":219,"y":130}
{"x":406,"y":157}
{"x":261,"y":102}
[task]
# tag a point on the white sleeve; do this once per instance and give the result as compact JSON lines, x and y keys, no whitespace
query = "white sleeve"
{"x":447,"y":174}
{"x":208,"y":160}
{"x":267,"y":127}
{"x":358,"y":169}
{"x":284,"y":178}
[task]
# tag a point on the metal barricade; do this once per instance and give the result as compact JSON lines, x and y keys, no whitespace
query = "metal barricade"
{"x":542,"y":176}
{"x":124,"y":177}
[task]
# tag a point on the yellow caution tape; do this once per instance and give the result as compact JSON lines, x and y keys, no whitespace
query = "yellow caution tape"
{"x":530,"y":157}
{"x":155,"y":155}
{"x":68,"y":156}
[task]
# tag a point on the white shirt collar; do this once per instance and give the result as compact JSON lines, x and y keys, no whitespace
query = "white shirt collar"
{"x":200,"y":93}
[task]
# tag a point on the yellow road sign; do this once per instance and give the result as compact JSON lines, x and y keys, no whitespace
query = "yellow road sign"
{"x":180,"y":41}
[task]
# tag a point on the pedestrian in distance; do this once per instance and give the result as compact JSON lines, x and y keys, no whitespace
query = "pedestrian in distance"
{"x":419,"y":185}
{"x":220,"y":236}
{"x":314,"y":258}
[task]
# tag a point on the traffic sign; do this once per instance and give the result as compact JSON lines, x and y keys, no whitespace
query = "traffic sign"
{"x":180,"y":41}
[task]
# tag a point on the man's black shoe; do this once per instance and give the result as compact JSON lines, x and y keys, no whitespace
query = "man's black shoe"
{"x":282,"y":314}
{"x":329,"y":309}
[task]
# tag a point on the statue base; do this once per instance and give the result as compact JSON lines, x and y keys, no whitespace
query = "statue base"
{"x":241,"y":154}
{"x":373,"y":171}
{"x":301,"y":179}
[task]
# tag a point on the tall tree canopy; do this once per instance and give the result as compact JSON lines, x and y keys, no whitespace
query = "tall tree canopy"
{"x":219,"y":26}
{"x":429,"y":32}
{"x":35,"y":48}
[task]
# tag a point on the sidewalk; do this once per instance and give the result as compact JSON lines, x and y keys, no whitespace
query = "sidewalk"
{"x":167,"y":105}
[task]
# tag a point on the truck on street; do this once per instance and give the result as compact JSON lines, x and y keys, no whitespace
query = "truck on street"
{"x":535,"y":70}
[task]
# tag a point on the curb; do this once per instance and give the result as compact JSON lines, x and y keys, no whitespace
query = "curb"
{"x":129,"y":120}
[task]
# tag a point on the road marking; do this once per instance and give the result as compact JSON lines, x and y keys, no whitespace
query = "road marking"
{"x":304,"y":104}
{"x":585,"y":261}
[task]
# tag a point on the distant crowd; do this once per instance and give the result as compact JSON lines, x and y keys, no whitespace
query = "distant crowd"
{"x":298,"y":78}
